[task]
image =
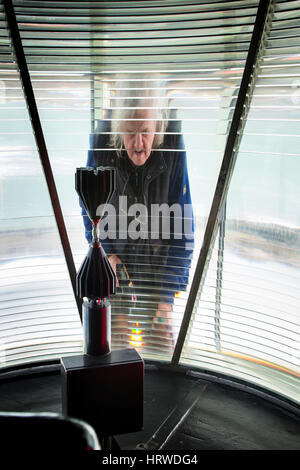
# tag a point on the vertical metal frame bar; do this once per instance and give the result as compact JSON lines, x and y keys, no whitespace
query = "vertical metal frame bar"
{"x":222,"y":224}
{"x":261,"y":26}
{"x":40,"y":140}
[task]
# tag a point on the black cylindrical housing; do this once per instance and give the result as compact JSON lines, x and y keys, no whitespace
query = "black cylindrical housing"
{"x":96,"y":319}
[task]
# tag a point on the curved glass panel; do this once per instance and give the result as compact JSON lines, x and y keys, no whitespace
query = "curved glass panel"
{"x":187,"y":59}
{"x":192,"y":55}
{"x":246,"y":323}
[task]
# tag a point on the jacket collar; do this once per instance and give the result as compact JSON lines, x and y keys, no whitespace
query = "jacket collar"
{"x":154,"y":166}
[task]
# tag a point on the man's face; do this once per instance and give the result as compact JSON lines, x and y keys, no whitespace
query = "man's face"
{"x":138,"y":136}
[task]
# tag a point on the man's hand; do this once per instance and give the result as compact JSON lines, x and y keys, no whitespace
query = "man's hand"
{"x":162,"y":324}
{"x":114,"y":260}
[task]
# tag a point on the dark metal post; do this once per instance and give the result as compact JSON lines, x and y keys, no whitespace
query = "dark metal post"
{"x":242,"y":105}
{"x":40,"y":141}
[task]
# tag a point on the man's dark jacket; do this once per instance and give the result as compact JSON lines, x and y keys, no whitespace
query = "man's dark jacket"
{"x":154,"y":264}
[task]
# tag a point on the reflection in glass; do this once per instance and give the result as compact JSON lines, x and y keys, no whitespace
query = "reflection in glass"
{"x":148,"y":231}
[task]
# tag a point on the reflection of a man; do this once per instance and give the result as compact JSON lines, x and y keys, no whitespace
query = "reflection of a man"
{"x":151,"y":171}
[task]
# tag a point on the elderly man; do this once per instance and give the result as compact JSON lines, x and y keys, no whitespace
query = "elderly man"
{"x":149,"y":254}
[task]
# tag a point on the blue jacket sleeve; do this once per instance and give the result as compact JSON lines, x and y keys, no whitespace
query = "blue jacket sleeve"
{"x":180,"y":250}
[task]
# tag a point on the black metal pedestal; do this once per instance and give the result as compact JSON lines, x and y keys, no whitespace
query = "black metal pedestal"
{"x":105,"y":391}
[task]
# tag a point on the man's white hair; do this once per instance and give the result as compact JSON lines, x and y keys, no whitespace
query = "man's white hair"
{"x":130,"y":95}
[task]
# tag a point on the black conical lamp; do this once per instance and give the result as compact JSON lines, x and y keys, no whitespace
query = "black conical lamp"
{"x":95,"y":281}
{"x":103,"y":387}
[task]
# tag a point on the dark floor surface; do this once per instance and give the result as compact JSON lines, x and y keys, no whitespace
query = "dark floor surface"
{"x":223,"y":418}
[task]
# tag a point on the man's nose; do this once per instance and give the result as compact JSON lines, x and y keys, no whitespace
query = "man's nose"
{"x":138,"y":141}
